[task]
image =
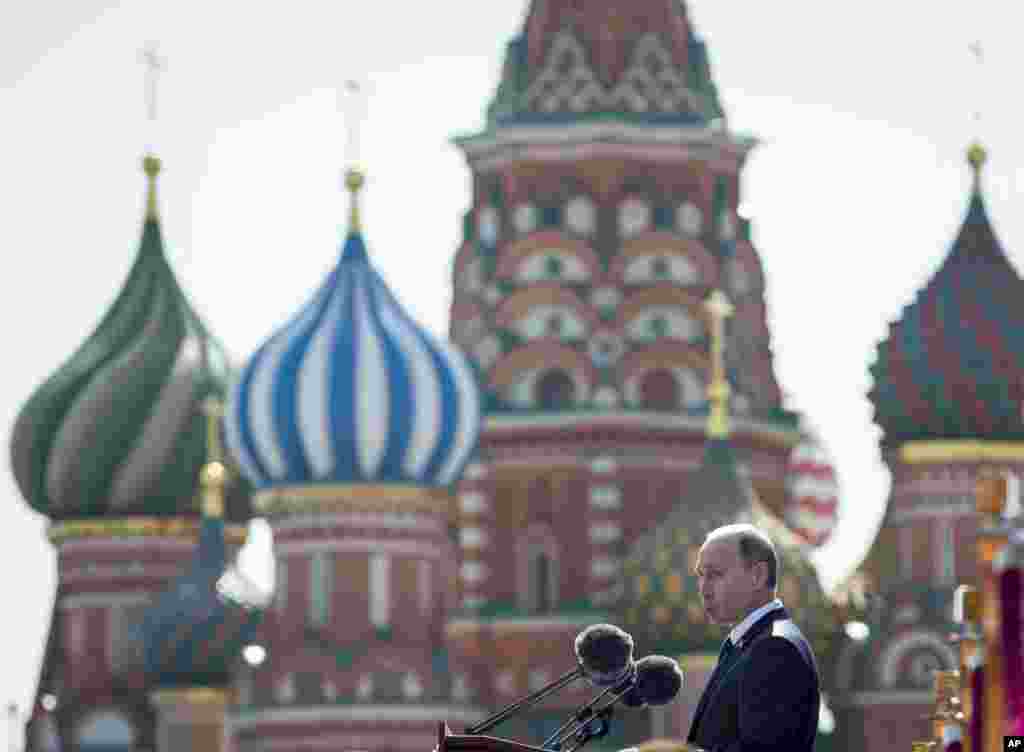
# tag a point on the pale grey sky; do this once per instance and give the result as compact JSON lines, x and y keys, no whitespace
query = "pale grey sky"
{"x":856,"y":192}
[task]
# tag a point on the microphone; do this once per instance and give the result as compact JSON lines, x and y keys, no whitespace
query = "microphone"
{"x":605,"y":654}
{"x":656,"y":681}
{"x":604,"y":657}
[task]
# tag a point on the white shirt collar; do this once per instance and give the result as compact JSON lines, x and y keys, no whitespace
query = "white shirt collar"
{"x":737,"y":633}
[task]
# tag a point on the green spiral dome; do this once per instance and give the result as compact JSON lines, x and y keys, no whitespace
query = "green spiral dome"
{"x":118,"y":429}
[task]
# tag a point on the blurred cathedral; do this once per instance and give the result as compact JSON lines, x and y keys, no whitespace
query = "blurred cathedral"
{"x":448,"y":516}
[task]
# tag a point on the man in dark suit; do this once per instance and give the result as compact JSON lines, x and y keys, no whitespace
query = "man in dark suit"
{"x":764,"y":694}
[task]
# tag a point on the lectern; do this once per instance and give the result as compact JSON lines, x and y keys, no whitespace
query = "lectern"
{"x":449,"y":742}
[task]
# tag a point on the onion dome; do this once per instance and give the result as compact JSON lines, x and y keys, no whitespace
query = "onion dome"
{"x":638,"y":59}
{"x":352,"y":390}
{"x":812,"y":492}
{"x":117,"y":430}
{"x":952,"y":365}
{"x":194,"y":633}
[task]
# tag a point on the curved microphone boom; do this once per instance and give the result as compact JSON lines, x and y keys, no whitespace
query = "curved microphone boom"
{"x":656,"y":681}
{"x":604,"y":657}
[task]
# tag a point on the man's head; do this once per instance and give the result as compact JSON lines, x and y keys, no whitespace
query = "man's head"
{"x":737,"y":570}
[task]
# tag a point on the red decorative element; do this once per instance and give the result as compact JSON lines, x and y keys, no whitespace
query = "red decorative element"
{"x":656,"y":243}
{"x":520,"y":304}
{"x":514,"y":254}
{"x":812,"y":504}
{"x":977,"y":707}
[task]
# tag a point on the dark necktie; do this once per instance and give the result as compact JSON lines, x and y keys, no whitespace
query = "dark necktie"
{"x":724,"y":658}
{"x":725,"y":653}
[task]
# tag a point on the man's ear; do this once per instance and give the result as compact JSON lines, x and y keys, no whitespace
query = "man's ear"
{"x":760,"y":569}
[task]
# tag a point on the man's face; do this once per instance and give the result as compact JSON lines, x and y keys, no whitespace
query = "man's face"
{"x":727,"y":586}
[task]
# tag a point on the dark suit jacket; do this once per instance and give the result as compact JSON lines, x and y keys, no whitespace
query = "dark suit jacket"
{"x":766,"y":698}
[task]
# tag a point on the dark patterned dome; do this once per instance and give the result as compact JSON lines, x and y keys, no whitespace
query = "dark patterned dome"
{"x":193,"y":635}
{"x":117,"y":429}
{"x":661,"y":605}
{"x":952,"y":365}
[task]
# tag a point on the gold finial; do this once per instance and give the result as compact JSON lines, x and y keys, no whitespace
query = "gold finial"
{"x":990,"y":488}
{"x":214,"y":476}
{"x":976,"y":158}
{"x":719,"y":309}
{"x":354,"y":180}
{"x":151,"y":166}
{"x":966,"y":606}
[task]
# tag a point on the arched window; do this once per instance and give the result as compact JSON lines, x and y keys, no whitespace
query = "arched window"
{"x":321,"y":587}
{"x":540,"y":577}
{"x":554,"y":390}
{"x":659,"y":390}
{"x":541,"y":582}
{"x":555,"y":324}
{"x":124,"y":632}
{"x":281,"y":585}
{"x":537,"y":569}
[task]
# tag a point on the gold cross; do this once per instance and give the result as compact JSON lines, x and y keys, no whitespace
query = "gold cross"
{"x":214,"y":475}
{"x":214,"y":410}
{"x":155,"y":65}
{"x":719,"y":309}
{"x":350,"y":101}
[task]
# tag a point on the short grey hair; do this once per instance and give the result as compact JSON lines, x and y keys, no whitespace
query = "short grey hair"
{"x":754,"y":547}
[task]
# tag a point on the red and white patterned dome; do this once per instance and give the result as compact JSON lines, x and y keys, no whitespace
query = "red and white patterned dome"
{"x":812,"y":492}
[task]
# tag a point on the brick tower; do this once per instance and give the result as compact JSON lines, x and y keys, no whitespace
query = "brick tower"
{"x":110,"y":449}
{"x":353,"y":422}
{"x":605,"y":189}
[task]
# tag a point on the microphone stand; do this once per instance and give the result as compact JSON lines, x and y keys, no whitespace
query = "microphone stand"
{"x":587,"y":732}
{"x":585,"y":715}
{"x":488,"y":723}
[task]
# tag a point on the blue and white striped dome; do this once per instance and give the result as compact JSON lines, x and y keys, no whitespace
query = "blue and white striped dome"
{"x":352,"y":390}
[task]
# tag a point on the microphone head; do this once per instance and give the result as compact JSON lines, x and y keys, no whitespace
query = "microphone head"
{"x":658,"y":681}
{"x":605,"y":654}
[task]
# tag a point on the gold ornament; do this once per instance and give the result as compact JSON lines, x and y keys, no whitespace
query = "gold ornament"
{"x":642,"y":584}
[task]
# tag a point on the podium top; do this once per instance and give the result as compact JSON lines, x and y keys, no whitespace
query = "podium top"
{"x":449,"y":742}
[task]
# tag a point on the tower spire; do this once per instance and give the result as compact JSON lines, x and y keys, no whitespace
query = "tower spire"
{"x":350,"y":100}
{"x":976,"y":154}
{"x":719,"y":309}
{"x":150,"y":163}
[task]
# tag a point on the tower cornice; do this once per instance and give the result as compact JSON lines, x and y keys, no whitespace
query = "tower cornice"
{"x":943,"y":452}
{"x":612,"y":138}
